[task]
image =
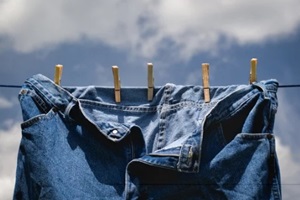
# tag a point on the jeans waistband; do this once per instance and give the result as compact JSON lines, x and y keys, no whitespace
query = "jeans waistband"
{"x":135,"y":98}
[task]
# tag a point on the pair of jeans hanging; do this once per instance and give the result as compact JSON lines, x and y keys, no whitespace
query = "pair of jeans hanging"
{"x":77,"y":143}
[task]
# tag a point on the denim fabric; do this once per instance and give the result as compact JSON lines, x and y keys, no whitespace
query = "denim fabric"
{"x":77,"y":143}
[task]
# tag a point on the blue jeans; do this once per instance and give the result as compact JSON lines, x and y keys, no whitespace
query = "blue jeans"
{"x":77,"y":143}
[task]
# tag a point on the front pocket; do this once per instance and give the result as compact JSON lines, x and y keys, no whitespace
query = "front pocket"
{"x":246,"y":144}
{"x":41,"y":134}
{"x":36,"y":119}
{"x":243,"y":166}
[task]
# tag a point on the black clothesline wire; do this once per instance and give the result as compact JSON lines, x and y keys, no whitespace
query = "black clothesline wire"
{"x":280,"y":86}
{"x":10,"y":86}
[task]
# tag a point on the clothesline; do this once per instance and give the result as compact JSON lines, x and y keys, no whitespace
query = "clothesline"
{"x":280,"y":86}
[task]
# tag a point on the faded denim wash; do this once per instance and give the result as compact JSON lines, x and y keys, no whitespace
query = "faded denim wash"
{"x":77,"y":143}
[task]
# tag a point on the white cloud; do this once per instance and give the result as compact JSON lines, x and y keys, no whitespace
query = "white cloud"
{"x":9,"y":144}
{"x":287,"y":119}
{"x":145,"y":27}
{"x":4,"y":103}
{"x":290,"y":170}
{"x":287,"y":128}
{"x":7,"y":185}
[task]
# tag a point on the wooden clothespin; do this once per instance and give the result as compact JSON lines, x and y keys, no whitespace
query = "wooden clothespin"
{"x":58,"y":74}
{"x":253,"y":65}
{"x":117,"y":83}
{"x":150,"y":82}
{"x":205,"y":78}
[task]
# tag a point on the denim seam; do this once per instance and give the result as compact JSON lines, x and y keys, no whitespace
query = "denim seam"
{"x":185,"y":159}
{"x":272,"y":166}
{"x":129,"y":108}
{"x":272,"y":112}
{"x":185,"y":104}
{"x":37,"y":118}
{"x":162,"y":118}
{"x":47,"y":96}
{"x":98,"y":128}
{"x":42,"y":91}
{"x":39,"y":101}
{"x":119,"y":107}
{"x":202,"y":134}
{"x":127,"y":183}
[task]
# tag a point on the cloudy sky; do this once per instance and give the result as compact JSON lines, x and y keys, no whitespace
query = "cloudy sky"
{"x":88,"y":37}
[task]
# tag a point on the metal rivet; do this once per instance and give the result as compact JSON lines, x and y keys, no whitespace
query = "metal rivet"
{"x":23,"y":91}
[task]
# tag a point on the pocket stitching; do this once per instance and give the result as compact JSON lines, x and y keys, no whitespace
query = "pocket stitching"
{"x":37,"y":119}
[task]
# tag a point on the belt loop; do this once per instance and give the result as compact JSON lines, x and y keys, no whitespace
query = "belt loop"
{"x":69,"y":108}
{"x":263,"y":88}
